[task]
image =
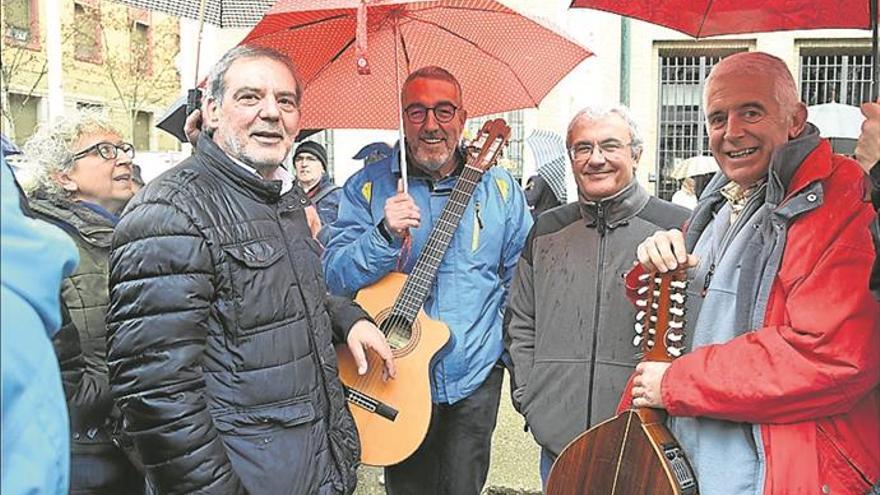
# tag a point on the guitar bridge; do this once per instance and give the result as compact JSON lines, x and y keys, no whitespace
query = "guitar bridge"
{"x":680,"y":468}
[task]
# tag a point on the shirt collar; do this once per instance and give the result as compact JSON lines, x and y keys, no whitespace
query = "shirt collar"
{"x":280,"y":174}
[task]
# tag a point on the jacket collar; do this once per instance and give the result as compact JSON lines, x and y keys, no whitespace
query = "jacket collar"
{"x":615,"y":210}
{"x":218,"y":162}
{"x":75,"y":218}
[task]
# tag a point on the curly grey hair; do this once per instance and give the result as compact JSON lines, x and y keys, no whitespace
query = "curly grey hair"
{"x":597,"y":112}
{"x":49,"y":151}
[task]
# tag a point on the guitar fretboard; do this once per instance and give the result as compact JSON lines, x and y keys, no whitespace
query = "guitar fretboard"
{"x":421,"y":279}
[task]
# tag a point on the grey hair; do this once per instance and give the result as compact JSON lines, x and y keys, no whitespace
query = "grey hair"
{"x":596,"y":112}
{"x":784,"y":88}
{"x":217,"y":78}
{"x":436,"y":73}
{"x":50,"y":151}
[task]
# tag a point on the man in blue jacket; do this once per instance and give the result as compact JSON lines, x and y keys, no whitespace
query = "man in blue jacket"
{"x":381,"y":229}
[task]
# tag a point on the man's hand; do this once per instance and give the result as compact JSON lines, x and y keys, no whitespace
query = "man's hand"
{"x":193,"y":126}
{"x":314,"y":220}
{"x":401,"y":212}
{"x":646,"y":384}
{"x":364,"y":335}
{"x":664,"y":251}
{"x":868,"y":147}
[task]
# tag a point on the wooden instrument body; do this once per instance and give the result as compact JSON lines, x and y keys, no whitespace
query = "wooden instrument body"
{"x":648,"y":459}
{"x":384,"y":441}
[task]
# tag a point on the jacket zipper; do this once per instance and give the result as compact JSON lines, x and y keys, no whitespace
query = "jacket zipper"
{"x":600,"y":229}
{"x":316,"y":356}
{"x":478,"y":220}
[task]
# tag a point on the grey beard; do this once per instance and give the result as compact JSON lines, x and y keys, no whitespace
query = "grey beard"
{"x":259,"y":165}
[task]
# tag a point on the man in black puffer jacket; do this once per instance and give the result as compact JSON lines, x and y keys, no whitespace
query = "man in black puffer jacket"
{"x":220,"y":325}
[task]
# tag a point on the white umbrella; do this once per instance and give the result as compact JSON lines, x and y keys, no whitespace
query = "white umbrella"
{"x":695,"y":165}
{"x":836,"y":120}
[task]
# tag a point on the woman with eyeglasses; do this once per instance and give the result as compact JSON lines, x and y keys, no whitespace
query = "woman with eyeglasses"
{"x":81,"y":177}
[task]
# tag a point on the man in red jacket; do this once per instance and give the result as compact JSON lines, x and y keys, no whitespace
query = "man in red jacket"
{"x":778,"y":393}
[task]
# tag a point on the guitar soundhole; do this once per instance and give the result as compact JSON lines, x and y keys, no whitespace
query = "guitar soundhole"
{"x":398,"y":330}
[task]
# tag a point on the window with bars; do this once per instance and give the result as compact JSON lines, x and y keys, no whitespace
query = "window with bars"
{"x":681,"y":122}
{"x":514,"y":150}
{"x":836,"y":75}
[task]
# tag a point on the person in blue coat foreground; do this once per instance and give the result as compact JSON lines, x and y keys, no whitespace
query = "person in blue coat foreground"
{"x":35,"y":257}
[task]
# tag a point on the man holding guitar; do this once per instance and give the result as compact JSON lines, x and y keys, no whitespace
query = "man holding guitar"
{"x":778,"y":393}
{"x":381,"y":229}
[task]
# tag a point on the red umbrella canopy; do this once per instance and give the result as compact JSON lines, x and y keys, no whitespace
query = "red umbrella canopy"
{"x":503,"y":60}
{"x":702,"y":18}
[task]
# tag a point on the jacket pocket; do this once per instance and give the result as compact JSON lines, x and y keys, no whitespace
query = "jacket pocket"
{"x":259,"y":289}
{"x":260,"y":420}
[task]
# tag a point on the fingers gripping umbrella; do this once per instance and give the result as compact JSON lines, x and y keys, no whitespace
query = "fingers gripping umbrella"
{"x":353,"y":54}
{"x":703,"y":18}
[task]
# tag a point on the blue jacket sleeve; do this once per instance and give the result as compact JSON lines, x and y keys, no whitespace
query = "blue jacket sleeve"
{"x":357,"y":254}
{"x":519,"y":223}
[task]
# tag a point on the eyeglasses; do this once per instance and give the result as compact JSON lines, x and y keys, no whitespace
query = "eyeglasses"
{"x":107,"y":150}
{"x":443,"y":112}
{"x":582,"y":152}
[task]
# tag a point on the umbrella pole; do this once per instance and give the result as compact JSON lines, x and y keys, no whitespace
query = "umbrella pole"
{"x":199,"y":40}
{"x":402,"y":137}
{"x":875,"y":87}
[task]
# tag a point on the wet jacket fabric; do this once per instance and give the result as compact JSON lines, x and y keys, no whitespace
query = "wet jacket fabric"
{"x":81,"y":344}
{"x":568,"y":325}
{"x":35,"y":438}
{"x":804,"y":370}
{"x":220,"y":346}
{"x":471,"y":286}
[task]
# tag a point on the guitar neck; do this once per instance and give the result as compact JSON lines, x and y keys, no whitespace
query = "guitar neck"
{"x":421,"y":279}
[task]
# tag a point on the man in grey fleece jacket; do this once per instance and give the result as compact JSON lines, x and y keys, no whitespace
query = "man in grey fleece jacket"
{"x":568,"y":324}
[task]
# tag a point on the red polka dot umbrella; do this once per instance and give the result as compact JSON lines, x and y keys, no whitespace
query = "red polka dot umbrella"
{"x":352,"y":54}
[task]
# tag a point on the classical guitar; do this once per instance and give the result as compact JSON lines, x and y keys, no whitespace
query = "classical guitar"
{"x":634,"y":453}
{"x":392,"y":417}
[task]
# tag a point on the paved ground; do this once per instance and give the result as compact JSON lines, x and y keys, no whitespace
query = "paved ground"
{"x":514,"y":465}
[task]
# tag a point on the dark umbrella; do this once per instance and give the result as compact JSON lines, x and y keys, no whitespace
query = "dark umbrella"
{"x":703,"y":18}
